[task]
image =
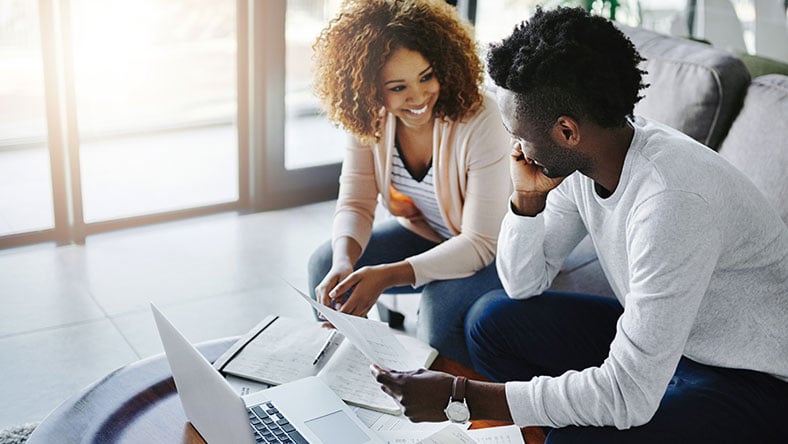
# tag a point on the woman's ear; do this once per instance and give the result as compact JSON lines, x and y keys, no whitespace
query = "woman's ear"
{"x":566,"y":131}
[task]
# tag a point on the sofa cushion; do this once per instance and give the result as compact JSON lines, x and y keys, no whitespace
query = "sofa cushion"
{"x":756,"y":141}
{"x":694,"y":87}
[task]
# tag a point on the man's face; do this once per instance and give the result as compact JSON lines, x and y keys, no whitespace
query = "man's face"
{"x":537,"y":144}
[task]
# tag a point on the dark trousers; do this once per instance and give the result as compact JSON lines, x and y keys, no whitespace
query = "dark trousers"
{"x":549,"y":334}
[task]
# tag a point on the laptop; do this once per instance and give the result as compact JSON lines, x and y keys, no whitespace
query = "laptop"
{"x":302,"y":411}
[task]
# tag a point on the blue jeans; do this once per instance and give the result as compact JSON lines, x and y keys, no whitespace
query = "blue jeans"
{"x":443,"y":304}
{"x":555,"y":332}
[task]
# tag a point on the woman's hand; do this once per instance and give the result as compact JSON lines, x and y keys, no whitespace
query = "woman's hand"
{"x":402,"y":205}
{"x":366,"y":284}
{"x":338,"y":272}
{"x":423,"y":394}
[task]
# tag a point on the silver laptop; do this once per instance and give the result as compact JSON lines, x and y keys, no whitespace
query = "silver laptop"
{"x":303,"y":411}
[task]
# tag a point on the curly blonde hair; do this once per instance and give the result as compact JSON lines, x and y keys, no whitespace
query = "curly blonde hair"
{"x":350,"y":52}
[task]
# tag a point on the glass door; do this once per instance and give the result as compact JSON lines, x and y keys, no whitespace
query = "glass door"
{"x":118,"y":114}
{"x":25,"y":179}
{"x":155,"y":101}
{"x":294,"y":152}
{"x":310,"y":139}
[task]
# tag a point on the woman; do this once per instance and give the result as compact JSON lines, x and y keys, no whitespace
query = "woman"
{"x":404,"y":79}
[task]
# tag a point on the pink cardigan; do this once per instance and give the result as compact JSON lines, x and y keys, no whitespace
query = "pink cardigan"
{"x":471,"y":173}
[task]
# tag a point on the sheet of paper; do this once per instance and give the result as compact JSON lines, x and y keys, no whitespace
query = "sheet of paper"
{"x":451,"y":434}
{"x":384,"y":423}
{"x":348,"y":375}
{"x":510,"y":434}
{"x":373,"y":338}
{"x":447,"y":434}
{"x":409,"y":433}
{"x":403,"y":436}
{"x":244,"y":386}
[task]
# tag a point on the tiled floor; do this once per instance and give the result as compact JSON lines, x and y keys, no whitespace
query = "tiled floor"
{"x":69,"y":315}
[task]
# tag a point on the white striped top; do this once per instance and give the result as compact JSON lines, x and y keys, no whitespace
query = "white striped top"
{"x":421,"y":191}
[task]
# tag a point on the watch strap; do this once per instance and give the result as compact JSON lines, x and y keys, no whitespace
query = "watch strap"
{"x":458,"y":388}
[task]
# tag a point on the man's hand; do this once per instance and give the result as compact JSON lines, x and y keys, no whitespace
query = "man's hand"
{"x":527,"y":176}
{"x":530,"y":184}
{"x":423,"y":394}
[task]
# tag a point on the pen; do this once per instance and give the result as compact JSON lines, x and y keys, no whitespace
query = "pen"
{"x":324,"y":348}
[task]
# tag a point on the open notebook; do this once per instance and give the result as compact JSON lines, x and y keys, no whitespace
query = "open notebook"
{"x":281,"y":349}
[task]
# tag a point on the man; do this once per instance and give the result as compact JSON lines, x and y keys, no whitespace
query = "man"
{"x":695,"y":348}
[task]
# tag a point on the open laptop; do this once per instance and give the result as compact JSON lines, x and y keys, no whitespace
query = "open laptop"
{"x":302,"y":411}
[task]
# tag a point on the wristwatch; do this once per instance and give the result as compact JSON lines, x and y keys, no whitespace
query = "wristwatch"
{"x":457,"y":409}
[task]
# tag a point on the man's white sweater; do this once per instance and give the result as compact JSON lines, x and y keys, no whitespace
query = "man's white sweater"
{"x":693,"y":252}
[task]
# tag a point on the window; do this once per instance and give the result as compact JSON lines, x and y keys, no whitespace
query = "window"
{"x":155,"y":99}
{"x":118,"y":114}
{"x":748,"y":26}
{"x":25,"y":184}
{"x":310,"y":139}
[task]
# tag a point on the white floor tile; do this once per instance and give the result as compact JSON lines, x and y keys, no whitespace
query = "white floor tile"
{"x":42,"y":369}
{"x":72,"y":314}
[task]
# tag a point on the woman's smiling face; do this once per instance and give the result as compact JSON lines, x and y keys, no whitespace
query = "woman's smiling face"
{"x":410,"y":88}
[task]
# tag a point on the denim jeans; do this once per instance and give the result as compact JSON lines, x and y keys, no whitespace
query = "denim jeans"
{"x":549,"y":334}
{"x":442,"y":305}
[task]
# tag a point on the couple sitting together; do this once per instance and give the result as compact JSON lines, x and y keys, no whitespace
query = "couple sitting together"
{"x":491,"y":195}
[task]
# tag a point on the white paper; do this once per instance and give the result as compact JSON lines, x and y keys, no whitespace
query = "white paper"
{"x":373,"y":338}
{"x":447,"y":434}
{"x":398,"y":425}
{"x":404,"y":436}
{"x":452,"y":433}
{"x":244,"y":386}
{"x":348,"y":375}
{"x":510,"y":434}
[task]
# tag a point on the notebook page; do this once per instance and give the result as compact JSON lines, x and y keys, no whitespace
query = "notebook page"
{"x":283,"y":352}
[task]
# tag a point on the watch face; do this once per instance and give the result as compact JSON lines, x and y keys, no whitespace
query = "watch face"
{"x":457,"y":412}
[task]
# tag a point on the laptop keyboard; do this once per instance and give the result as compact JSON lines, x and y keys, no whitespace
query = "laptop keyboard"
{"x":270,"y":426}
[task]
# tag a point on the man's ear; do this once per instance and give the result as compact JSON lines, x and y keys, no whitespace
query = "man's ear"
{"x":566,"y":131}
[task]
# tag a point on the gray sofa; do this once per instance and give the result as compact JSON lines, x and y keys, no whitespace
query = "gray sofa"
{"x":708,"y":94}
